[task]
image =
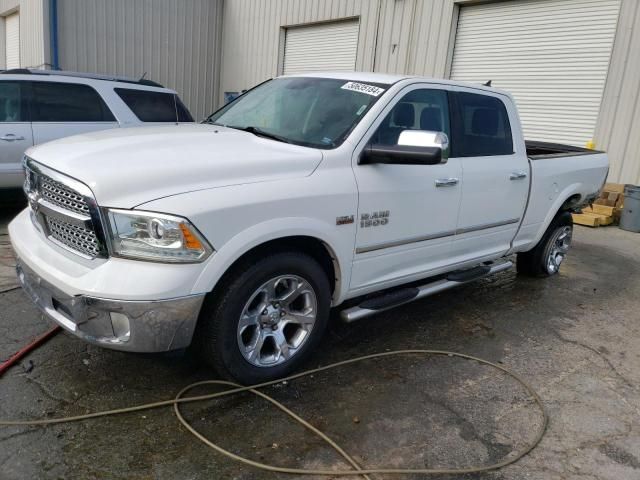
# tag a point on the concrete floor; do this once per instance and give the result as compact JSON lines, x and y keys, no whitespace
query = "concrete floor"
{"x":575,"y":337}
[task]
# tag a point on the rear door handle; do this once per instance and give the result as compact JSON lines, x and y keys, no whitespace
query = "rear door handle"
{"x":446,"y":182}
{"x":517,"y":175}
{"x":10,"y":137}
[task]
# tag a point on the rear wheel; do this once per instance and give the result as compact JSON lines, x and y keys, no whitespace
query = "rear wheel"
{"x":547,"y":256}
{"x":269,"y":318}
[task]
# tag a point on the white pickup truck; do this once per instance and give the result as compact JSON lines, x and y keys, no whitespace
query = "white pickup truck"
{"x":355,"y":191}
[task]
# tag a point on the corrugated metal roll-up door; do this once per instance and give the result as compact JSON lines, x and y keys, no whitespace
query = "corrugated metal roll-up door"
{"x":552,"y":55}
{"x":322,"y":47}
{"x":12,"y":45}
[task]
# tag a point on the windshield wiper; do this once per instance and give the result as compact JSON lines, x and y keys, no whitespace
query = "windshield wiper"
{"x":258,"y":131}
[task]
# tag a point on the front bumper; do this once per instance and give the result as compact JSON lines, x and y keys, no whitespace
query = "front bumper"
{"x":130,"y":325}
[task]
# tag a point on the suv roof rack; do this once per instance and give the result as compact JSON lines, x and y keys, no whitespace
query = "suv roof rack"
{"x":93,"y":76}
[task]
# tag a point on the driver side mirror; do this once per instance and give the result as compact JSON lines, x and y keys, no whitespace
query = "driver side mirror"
{"x":415,"y":147}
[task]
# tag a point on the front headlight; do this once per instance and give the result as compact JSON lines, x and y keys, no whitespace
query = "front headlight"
{"x":155,"y":236}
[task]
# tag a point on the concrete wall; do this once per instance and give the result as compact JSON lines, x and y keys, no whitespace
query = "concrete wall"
{"x":34,"y":31}
{"x":177,"y":43}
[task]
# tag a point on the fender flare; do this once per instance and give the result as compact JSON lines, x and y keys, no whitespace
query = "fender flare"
{"x":274,"y":229}
{"x":561,"y":199}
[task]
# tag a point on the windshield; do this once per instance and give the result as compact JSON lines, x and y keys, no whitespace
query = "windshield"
{"x":313,"y":112}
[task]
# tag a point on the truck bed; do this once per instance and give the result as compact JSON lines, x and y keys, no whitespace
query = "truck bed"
{"x":540,"y":150}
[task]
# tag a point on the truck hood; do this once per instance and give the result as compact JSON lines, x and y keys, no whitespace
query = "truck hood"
{"x":127,"y":167}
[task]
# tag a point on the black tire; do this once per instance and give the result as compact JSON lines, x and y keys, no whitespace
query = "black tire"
{"x":217,"y":338}
{"x":534,"y":263}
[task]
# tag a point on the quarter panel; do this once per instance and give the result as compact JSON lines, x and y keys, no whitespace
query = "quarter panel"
{"x":554,"y":180}
{"x":12,"y":151}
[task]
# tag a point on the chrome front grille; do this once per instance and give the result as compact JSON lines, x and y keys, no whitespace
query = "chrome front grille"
{"x":74,"y":237}
{"x":62,"y":196}
{"x":65,"y":210}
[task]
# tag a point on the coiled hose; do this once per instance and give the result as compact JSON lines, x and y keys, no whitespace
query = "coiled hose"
{"x":357,"y":469}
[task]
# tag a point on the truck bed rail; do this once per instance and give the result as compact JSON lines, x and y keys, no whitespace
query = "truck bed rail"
{"x":537,"y":150}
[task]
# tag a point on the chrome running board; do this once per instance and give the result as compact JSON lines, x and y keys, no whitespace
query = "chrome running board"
{"x":400,"y":297}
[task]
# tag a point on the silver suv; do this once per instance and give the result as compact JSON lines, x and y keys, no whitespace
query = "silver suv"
{"x":37,"y":106}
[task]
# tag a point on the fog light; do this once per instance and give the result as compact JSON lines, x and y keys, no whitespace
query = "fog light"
{"x":120,"y":325}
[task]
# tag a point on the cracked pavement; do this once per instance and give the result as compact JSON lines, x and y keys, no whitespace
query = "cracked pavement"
{"x":575,"y":337}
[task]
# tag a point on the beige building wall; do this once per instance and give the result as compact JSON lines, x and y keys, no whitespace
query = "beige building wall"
{"x":203,"y":48}
{"x":34,"y":31}
{"x":176,"y":43}
{"x":618,"y":129}
{"x":394,"y":36}
{"x":418,"y":37}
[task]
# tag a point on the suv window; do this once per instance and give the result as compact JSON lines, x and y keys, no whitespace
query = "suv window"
{"x":423,"y":109}
{"x":67,"y":102}
{"x":13,"y":106}
{"x":481,"y":127}
{"x":154,"y":106}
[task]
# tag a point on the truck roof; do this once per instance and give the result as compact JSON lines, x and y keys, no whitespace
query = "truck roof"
{"x":385,"y":78}
{"x":389,"y":79}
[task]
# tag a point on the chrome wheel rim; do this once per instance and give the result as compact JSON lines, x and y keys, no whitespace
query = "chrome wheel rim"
{"x":277,"y":321}
{"x":558,"y":247}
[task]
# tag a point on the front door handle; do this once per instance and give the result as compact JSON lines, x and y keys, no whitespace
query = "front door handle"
{"x":517,"y":175}
{"x":446,"y":182}
{"x":10,"y":137}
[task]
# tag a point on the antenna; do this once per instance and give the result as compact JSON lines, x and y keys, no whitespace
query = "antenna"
{"x":488,"y":84}
{"x":145,"y":74}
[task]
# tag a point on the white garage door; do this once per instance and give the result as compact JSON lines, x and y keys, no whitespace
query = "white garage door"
{"x":12,"y":32}
{"x":324,"y":47}
{"x":552,"y":55}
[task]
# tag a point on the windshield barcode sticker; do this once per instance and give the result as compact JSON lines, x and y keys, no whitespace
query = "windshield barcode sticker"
{"x":363,"y":88}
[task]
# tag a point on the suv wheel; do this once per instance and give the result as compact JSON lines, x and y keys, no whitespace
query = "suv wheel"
{"x":547,"y":256}
{"x":270,"y":316}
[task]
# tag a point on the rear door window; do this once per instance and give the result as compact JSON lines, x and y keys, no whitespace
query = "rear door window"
{"x":154,"y":106}
{"x":67,"y":102}
{"x":481,"y":126}
{"x":13,"y":102}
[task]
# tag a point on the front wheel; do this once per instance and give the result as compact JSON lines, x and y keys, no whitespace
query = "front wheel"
{"x":547,"y":256}
{"x":269,"y":318}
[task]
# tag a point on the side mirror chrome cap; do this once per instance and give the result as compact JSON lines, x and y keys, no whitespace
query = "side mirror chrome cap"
{"x":426,"y":138}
